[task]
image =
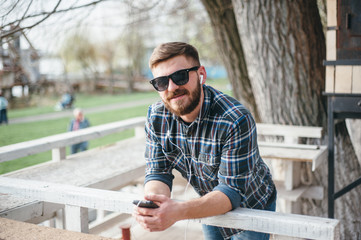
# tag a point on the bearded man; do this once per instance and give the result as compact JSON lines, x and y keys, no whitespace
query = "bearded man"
{"x":210,"y":138}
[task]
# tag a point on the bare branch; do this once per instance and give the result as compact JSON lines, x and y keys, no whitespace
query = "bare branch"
{"x":47,"y":15}
{"x":26,"y":11}
{"x":11,"y":9}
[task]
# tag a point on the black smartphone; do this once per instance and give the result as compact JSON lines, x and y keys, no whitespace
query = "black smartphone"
{"x":145,"y":204}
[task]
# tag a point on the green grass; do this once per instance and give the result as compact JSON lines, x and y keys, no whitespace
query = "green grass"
{"x":27,"y":131}
{"x":15,"y":133}
{"x":221,"y":84}
{"x":41,"y":105}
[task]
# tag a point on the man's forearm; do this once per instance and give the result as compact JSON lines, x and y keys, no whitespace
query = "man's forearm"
{"x":156,"y":187}
{"x":211,"y":204}
{"x":170,"y":211}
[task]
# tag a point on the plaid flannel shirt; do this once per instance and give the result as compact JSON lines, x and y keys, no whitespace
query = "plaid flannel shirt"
{"x":218,"y":151}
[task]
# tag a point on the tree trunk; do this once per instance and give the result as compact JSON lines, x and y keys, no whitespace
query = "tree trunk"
{"x":283,"y":49}
{"x":229,"y":45}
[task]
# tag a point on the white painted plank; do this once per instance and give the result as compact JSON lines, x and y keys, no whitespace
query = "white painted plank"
{"x":331,"y":13}
{"x":58,"y":154}
{"x":292,"y":174}
{"x":331,"y":53}
{"x":289,"y":130}
{"x":320,"y":157}
{"x":248,"y":219}
{"x":24,"y":149}
{"x":288,"y":145}
{"x":69,"y":195}
{"x":330,"y":79}
{"x":292,"y":225}
{"x":34,"y":209}
{"x":343,"y":79}
{"x":314,"y":192}
{"x":294,"y":154}
{"x":289,"y":195}
{"x":76,"y":219}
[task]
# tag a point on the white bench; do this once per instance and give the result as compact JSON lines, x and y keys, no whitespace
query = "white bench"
{"x":287,"y":150}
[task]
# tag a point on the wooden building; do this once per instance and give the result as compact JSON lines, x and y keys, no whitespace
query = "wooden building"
{"x":343,"y":80}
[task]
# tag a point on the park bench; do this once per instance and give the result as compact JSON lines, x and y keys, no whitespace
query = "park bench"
{"x":284,"y":148}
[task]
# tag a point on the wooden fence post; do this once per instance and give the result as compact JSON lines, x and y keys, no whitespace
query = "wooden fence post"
{"x":58,"y":154}
{"x":76,"y":219}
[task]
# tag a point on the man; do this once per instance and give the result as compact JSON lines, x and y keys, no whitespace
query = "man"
{"x":79,"y":122}
{"x":210,"y":138}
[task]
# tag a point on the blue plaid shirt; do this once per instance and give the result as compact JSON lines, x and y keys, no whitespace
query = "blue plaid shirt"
{"x":217,"y":151}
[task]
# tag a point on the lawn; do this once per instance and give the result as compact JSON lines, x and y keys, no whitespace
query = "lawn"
{"x":15,"y":133}
{"x":41,"y":105}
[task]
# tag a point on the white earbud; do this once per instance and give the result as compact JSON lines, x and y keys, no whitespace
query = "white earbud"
{"x":201,"y":79}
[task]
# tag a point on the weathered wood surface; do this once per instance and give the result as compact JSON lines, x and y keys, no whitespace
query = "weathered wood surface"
{"x":289,"y":130}
{"x":292,"y":225}
{"x":107,"y":168}
{"x":256,"y":220}
{"x":15,"y":230}
{"x":24,"y":149}
{"x":285,"y":143}
{"x":297,"y":152}
{"x":313,"y":192}
{"x":289,"y":149}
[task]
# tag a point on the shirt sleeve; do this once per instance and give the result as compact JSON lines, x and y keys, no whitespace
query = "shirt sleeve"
{"x":158,"y":167}
{"x":239,"y":156}
{"x":232,"y":194}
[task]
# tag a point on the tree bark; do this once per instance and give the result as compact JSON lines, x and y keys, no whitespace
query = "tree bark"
{"x":226,"y":34}
{"x":284,"y":49}
{"x":284,"y":46}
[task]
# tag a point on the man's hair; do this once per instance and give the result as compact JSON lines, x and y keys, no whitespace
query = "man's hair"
{"x":169,"y":50}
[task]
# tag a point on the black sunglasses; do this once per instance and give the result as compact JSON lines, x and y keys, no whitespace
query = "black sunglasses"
{"x":180,"y":77}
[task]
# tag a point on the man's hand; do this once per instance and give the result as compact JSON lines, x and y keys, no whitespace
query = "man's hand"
{"x":158,"y":219}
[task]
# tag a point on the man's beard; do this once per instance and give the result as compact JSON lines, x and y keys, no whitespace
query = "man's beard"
{"x":183,"y":109}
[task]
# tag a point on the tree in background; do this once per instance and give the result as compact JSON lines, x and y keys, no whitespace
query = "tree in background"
{"x":273,"y":52}
{"x":230,"y":50}
{"x":80,"y":55}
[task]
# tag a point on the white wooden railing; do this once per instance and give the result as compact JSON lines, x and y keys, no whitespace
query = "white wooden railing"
{"x":58,"y":143}
{"x":77,"y":199}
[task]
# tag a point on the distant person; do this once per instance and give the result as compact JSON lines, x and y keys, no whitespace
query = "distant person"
{"x":67,"y":100}
{"x":79,"y":122}
{"x":3,"y":109}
